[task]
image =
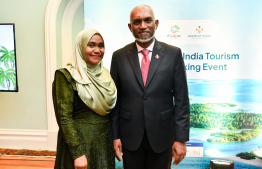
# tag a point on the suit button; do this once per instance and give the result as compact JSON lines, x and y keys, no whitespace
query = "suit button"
{"x":145,"y":98}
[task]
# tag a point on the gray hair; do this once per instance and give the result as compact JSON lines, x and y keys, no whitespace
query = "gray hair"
{"x":143,"y":5}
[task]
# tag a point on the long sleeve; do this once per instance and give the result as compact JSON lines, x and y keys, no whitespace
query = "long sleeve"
{"x":114,"y":115}
{"x":181,"y":108}
{"x":63,"y":98}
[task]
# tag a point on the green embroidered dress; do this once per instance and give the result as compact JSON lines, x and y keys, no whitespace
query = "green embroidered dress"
{"x":81,"y":130}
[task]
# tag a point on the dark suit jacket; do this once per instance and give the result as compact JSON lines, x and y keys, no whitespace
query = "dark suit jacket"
{"x":161,"y":108}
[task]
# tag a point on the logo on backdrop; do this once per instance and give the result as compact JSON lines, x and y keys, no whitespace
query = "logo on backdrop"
{"x":189,"y":31}
{"x":200,"y":34}
{"x":199,"y":29}
{"x":175,"y":29}
{"x":174,"y":32}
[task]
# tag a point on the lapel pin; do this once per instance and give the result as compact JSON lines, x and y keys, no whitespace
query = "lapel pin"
{"x":157,"y":57}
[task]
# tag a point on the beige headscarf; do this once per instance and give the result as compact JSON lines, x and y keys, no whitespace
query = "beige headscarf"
{"x":94,"y":84}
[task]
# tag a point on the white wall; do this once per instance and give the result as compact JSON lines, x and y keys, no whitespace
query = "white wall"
{"x":23,"y":115}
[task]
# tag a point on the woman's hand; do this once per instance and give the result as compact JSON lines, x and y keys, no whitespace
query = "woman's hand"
{"x":80,"y":162}
{"x":118,"y":149}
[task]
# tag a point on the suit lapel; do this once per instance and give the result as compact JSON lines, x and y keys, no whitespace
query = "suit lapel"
{"x":157,"y":56}
{"x":133,"y":59}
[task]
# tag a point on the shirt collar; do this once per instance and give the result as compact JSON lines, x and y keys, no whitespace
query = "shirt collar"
{"x":150,"y":48}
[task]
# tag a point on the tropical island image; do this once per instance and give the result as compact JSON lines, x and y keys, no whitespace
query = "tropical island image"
{"x":205,"y":116}
{"x":225,"y":115}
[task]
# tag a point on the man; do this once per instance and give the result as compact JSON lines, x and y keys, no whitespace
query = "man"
{"x":150,"y":122}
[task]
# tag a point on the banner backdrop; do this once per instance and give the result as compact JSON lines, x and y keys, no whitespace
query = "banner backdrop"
{"x":221,"y":44}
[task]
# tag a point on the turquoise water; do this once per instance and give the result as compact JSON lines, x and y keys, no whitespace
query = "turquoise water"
{"x":201,"y":163}
{"x":245,"y":93}
{"x":217,"y":150}
{"x":204,"y":163}
{"x":222,"y":149}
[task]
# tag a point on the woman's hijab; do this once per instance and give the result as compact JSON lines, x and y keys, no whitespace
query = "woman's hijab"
{"x":94,"y":84}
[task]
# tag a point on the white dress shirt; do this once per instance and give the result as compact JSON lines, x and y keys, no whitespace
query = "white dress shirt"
{"x":140,"y":55}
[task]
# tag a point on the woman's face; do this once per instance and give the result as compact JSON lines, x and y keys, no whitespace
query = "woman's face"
{"x":95,"y":50}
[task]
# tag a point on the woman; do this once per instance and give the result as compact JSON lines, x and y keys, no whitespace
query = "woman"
{"x":84,"y":94}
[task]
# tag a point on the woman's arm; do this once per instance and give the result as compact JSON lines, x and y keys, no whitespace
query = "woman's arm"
{"x":63,"y":98}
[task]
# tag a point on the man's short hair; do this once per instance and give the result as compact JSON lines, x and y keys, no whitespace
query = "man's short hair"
{"x":143,"y":5}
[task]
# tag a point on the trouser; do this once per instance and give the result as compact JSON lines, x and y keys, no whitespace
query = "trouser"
{"x":146,"y":158}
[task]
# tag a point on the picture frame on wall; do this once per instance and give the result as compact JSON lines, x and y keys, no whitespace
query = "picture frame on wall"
{"x":8,"y":64}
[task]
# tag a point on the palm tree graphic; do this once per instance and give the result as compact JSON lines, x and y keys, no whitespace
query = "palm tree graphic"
{"x":8,"y":57}
{"x":7,"y":77}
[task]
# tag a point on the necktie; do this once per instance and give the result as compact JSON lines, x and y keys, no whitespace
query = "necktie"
{"x":145,"y":64}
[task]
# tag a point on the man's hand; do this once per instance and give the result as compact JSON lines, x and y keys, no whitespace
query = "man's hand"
{"x":80,"y":162}
{"x":118,"y":148}
{"x":178,"y":151}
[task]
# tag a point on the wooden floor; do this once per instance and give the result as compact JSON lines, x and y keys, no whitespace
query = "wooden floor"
{"x":26,"y":162}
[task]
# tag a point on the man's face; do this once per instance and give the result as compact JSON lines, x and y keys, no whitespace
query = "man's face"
{"x":142,"y":23}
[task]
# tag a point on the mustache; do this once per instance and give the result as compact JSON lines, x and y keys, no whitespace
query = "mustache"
{"x":143,"y":32}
